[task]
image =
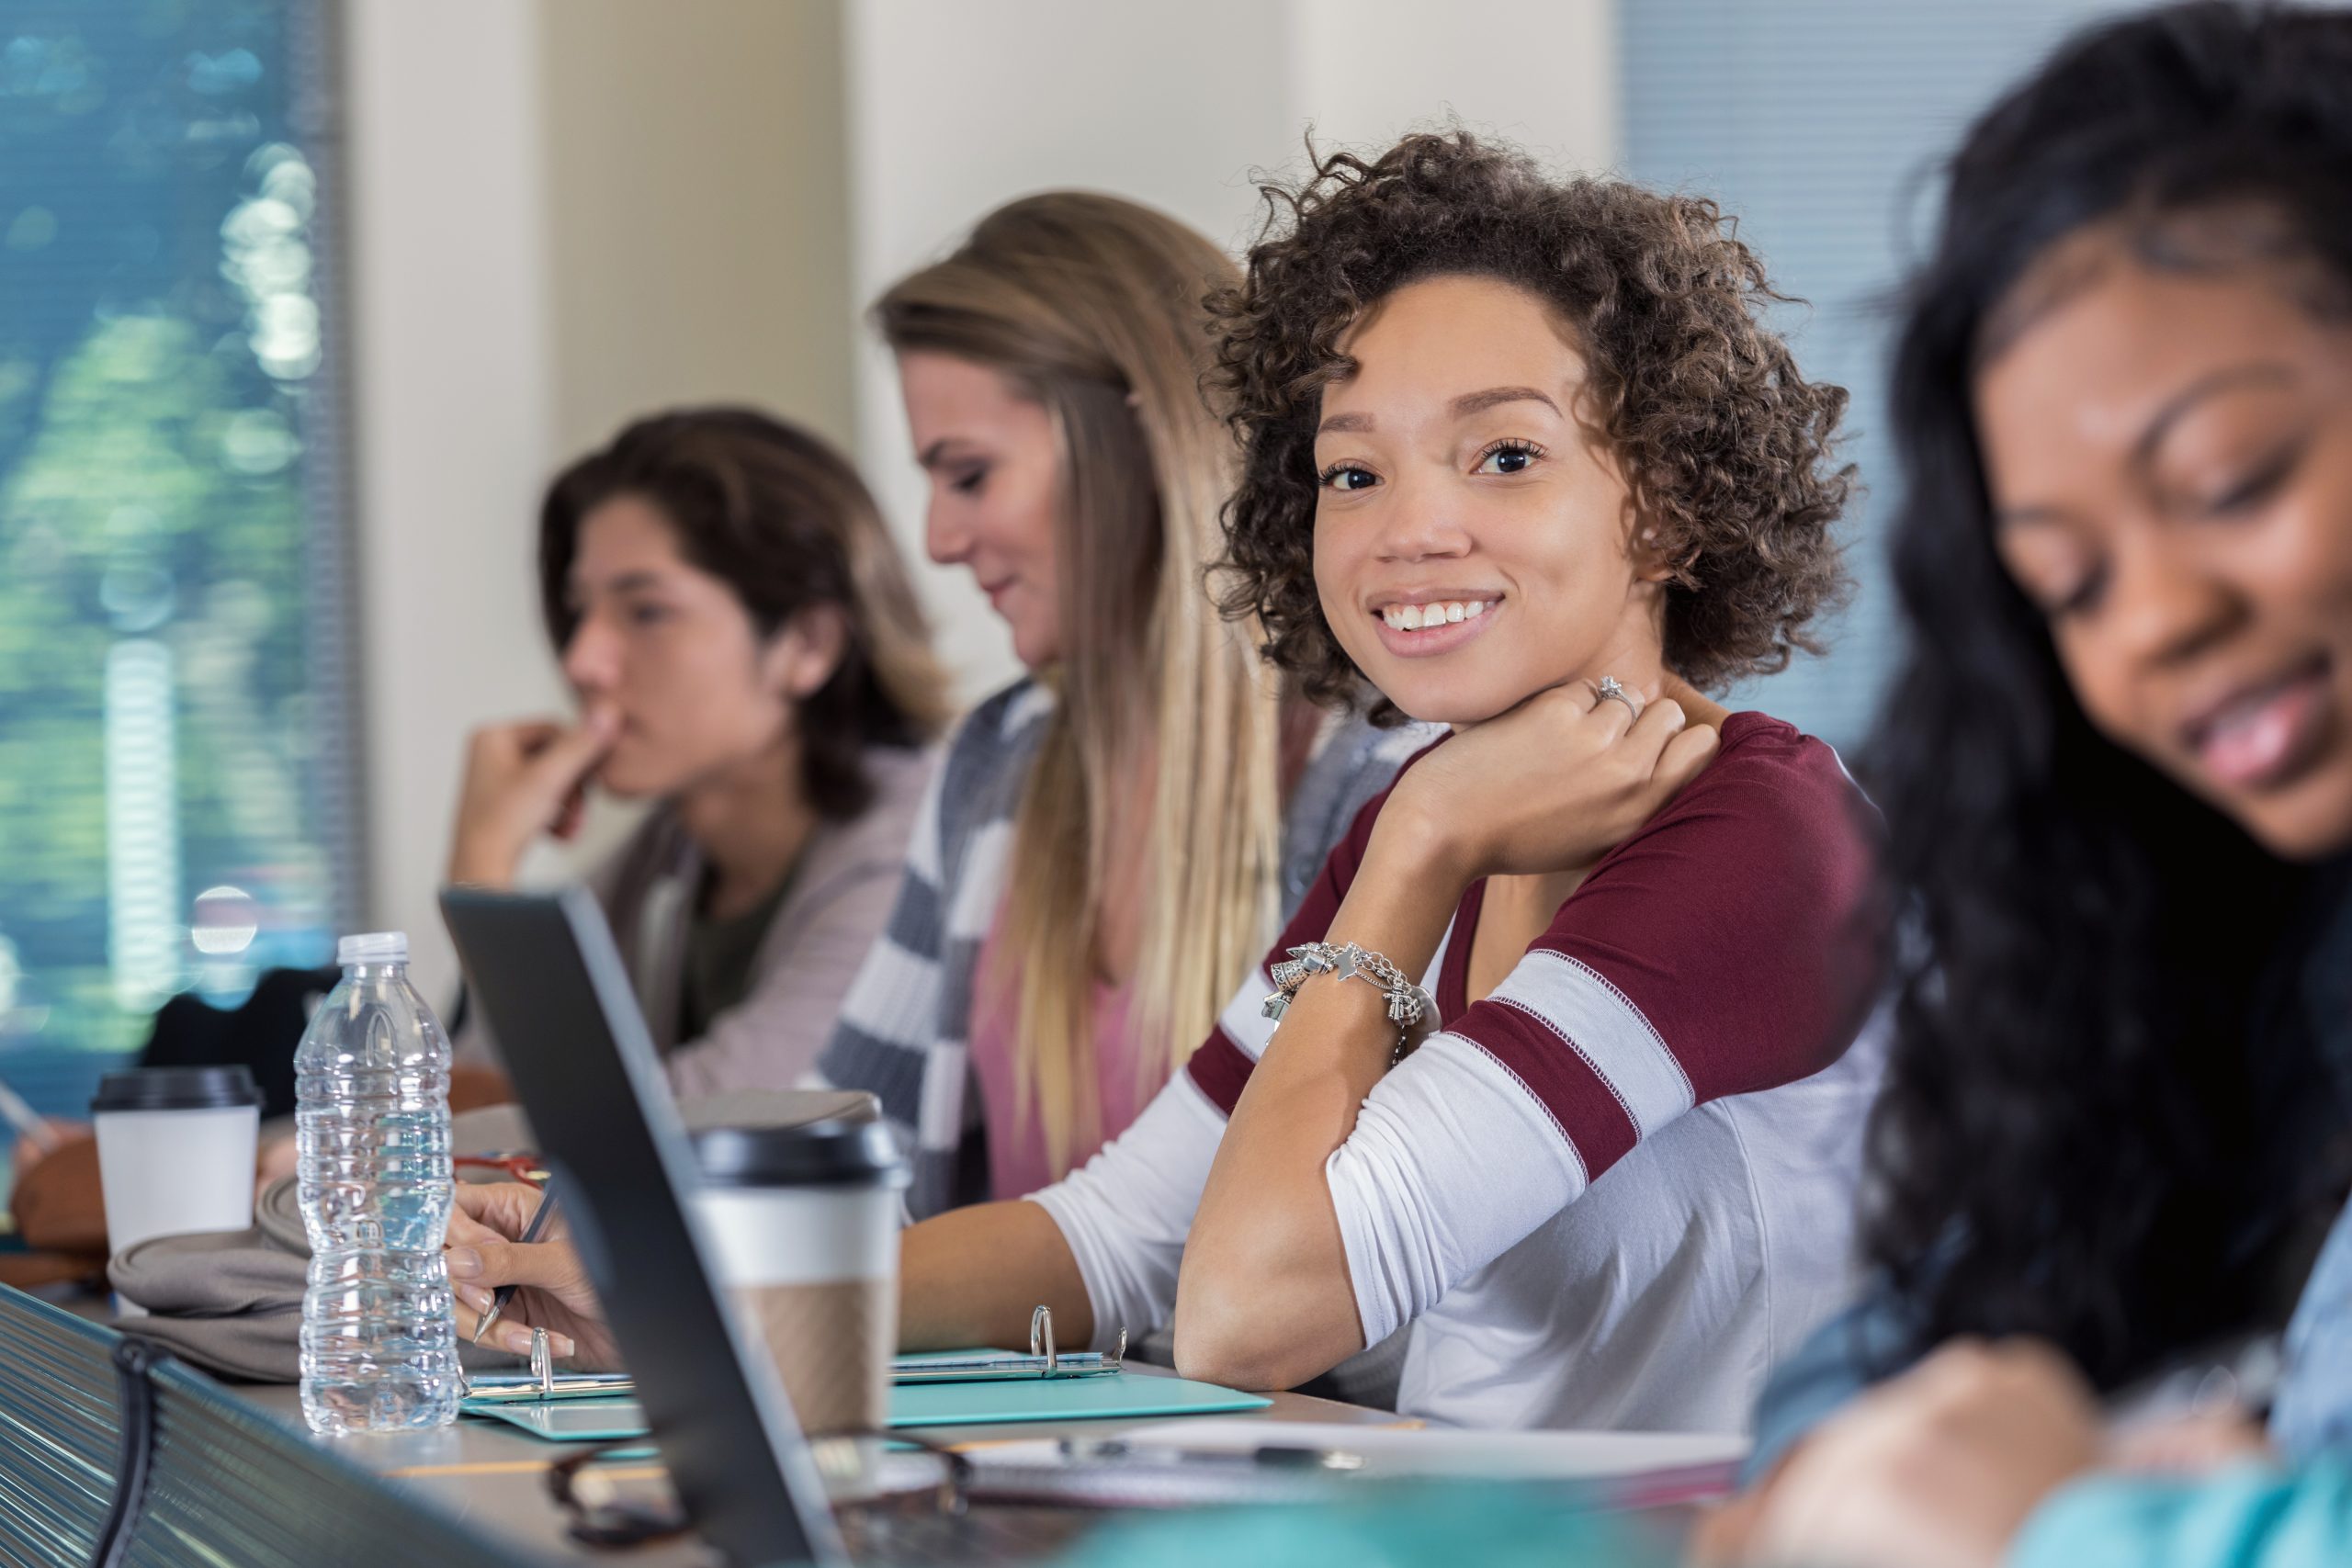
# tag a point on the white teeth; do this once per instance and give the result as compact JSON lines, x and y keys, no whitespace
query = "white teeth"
{"x":1413,"y":618}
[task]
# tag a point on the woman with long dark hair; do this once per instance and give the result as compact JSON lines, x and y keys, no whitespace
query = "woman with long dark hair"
{"x":2117,"y":771}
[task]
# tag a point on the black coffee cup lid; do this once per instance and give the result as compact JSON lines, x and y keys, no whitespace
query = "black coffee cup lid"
{"x":819,"y":1154}
{"x":175,"y":1089}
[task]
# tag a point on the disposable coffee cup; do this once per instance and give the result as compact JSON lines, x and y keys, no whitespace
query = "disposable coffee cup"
{"x":805,"y":1223}
{"x":175,"y":1151}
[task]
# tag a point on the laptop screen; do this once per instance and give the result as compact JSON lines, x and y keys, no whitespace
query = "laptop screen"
{"x":545,"y":973}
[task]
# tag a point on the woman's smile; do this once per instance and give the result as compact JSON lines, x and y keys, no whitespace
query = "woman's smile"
{"x":2265,"y":734}
{"x":1425,"y":623}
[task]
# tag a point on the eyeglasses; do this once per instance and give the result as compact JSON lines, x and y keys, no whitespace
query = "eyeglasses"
{"x":607,"y":1503}
{"x":599,"y":1512}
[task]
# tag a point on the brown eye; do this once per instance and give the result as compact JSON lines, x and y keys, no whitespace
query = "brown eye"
{"x":1508,"y":458}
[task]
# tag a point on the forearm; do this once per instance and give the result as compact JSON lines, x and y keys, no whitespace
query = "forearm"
{"x":482,"y":861}
{"x":974,"y":1277}
{"x":1264,"y":1298}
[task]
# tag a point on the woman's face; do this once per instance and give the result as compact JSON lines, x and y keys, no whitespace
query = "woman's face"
{"x":1473,"y":538}
{"x":2169,"y":456}
{"x":671,"y":649}
{"x":994,"y":462}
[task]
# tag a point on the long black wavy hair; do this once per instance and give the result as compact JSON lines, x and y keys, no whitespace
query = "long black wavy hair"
{"x":2075,"y":1141}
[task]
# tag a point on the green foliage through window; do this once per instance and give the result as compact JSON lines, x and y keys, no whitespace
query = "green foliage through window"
{"x":173,"y":810}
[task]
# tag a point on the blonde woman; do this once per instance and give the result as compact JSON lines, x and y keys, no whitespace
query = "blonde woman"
{"x":1106,"y":848}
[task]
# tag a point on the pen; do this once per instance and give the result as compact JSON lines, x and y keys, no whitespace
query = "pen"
{"x":25,"y":1119}
{"x":506,"y":1293}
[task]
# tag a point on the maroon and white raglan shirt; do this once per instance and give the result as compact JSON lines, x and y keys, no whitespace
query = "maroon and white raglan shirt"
{"x":1613,"y":1192}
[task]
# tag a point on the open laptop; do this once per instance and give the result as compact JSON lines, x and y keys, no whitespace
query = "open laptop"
{"x":545,"y":970}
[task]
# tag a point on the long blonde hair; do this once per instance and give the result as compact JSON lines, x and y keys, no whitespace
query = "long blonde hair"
{"x":1092,"y":306}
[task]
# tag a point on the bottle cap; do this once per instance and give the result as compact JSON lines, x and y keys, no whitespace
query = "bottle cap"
{"x":373,"y":947}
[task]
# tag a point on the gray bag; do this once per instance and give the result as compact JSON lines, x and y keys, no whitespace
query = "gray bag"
{"x":231,"y":1301}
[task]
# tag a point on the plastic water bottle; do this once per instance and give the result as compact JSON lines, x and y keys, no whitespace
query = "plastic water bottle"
{"x":379,"y":1333}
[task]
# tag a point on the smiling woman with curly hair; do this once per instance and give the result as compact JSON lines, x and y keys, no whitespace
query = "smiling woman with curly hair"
{"x":1521,"y":455}
{"x":1723,"y":447}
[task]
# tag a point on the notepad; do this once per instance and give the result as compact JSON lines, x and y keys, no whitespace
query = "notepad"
{"x":1117,"y":1395}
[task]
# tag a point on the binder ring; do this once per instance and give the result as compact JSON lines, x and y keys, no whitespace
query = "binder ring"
{"x":1041,"y":1337}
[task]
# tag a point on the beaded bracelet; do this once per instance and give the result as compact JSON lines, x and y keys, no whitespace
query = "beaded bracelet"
{"x":1411,"y":1009}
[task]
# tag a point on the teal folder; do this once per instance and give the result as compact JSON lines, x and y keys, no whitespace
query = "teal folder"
{"x":1113,"y":1396}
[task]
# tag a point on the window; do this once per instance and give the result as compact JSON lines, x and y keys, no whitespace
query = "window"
{"x":176,"y":804}
{"x":1821,"y":123}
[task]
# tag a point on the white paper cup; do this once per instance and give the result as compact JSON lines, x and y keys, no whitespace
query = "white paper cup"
{"x":175,"y":1151}
{"x":804,"y":1223}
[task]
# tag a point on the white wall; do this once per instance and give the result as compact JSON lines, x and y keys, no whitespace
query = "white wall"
{"x":452,"y":413}
{"x":1540,"y":73}
{"x":697,"y":195}
{"x":955,"y":108}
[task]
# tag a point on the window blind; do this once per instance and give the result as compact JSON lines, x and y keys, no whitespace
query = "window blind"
{"x":178,"y":805}
{"x":1822,"y":125}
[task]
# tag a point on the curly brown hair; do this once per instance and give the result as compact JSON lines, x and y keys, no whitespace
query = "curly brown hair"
{"x":1727,"y":449}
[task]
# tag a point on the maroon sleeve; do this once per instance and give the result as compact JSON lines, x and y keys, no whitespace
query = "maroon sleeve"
{"x":1731,"y":945}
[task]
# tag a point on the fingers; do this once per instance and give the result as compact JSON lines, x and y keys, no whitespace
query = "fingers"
{"x":573,"y":813}
{"x":512,"y":1331}
{"x":560,"y":765}
{"x":494,"y":743}
{"x":1613,"y":715}
{"x":1684,"y":757}
{"x":493,"y":1261}
{"x":1660,"y":723}
{"x":497,"y":1210}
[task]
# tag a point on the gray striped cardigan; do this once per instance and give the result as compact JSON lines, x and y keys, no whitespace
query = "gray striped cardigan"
{"x":901,"y":1033}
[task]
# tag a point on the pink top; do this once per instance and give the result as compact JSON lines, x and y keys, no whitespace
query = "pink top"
{"x":1017,"y":1161}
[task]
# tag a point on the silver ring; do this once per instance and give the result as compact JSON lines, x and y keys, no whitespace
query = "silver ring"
{"x":1610,"y":692}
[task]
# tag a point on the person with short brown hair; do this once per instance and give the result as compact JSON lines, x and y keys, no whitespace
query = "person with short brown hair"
{"x":747,"y":655}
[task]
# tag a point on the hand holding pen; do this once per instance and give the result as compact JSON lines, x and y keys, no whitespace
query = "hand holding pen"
{"x":506,"y":1293}
{"x":549,"y":1289}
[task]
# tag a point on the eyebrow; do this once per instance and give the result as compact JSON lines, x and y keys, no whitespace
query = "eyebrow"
{"x":1462,"y":407}
{"x":2260,"y":372}
{"x":937,"y":452}
{"x":626,"y":582}
{"x":1494,"y":397}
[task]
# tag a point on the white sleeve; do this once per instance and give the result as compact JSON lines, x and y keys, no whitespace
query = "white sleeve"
{"x":1452,"y":1162}
{"x":1126,"y":1212}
